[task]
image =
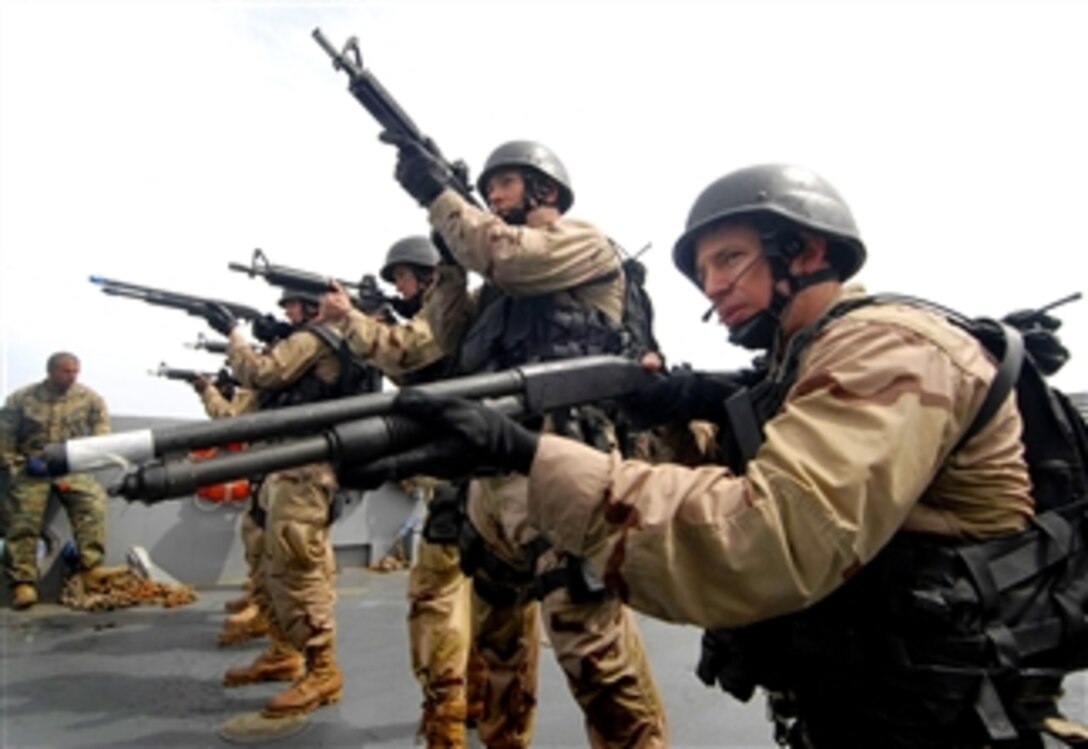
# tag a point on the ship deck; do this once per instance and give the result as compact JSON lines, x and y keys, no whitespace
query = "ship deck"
{"x":149,"y":677}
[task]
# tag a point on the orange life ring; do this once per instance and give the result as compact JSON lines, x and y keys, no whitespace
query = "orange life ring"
{"x":228,"y":491}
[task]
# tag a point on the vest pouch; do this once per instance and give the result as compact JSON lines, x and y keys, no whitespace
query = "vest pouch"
{"x":444,"y":516}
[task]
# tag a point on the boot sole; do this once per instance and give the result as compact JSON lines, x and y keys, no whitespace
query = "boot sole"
{"x":327,"y":700}
{"x":293,"y":676}
{"x":226,"y":639}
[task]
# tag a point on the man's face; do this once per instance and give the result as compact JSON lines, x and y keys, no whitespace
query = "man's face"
{"x":505,"y":191}
{"x":733,"y":273}
{"x":63,"y":374}
{"x":293,"y":311}
{"x":404,"y":278}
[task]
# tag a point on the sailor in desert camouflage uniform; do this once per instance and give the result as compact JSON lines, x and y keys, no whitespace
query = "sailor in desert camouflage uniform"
{"x":554,"y":288}
{"x":812,"y":557}
{"x":298,"y":564}
{"x":439,"y":594}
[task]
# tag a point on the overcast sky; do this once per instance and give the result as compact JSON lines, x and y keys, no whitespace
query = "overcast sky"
{"x":155,"y":142}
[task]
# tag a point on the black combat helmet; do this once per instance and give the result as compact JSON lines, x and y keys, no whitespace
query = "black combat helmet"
{"x":294,"y":295}
{"x":796,"y":194}
{"x":527,"y":154}
{"x":419,"y":251}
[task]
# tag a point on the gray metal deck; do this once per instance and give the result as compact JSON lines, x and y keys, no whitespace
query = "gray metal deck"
{"x":150,"y":678}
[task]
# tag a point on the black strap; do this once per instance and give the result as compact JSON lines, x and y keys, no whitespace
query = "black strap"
{"x":744,"y":423}
{"x":1008,"y":372}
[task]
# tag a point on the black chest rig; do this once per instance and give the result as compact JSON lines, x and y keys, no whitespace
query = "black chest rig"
{"x":356,"y":377}
{"x":936,"y":642}
{"x":511,"y":331}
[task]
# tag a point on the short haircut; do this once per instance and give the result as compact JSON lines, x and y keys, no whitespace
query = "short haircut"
{"x":57,"y":358}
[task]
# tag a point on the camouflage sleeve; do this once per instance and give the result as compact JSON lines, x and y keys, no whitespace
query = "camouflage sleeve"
{"x":9,"y":431}
{"x":215,"y":405}
{"x":448,"y":307}
{"x":218,"y":407}
{"x":100,"y":415}
{"x":831,"y":484}
{"x":520,"y":260}
{"x":393,"y":348}
{"x":279,"y":367}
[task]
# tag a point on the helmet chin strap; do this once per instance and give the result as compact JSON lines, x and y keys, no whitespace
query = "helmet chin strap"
{"x":759,"y":331}
{"x":532,"y":198}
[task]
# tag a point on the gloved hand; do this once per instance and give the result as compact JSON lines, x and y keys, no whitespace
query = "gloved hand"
{"x":442,"y":458}
{"x":200,"y":384}
{"x":37,"y":467}
{"x":681,"y":396}
{"x":1040,"y":338}
{"x":421,"y":175}
{"x":267,"y":329}
{"x":721,"y":662}
{"x":490,"y":439}
{"x":1027,"y":319}
{"x":220,"y":319}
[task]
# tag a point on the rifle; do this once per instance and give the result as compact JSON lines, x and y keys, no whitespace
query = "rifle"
{"x":347,"y":432}
{"x":212,"y":346}
{"x":382,"y":107}
{"x":288,"y":278}
{"x":223,"y":381}
{"x":194,"y":305}
{"x":367,"y":297}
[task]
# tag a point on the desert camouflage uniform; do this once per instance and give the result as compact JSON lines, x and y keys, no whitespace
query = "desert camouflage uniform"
{"x":439,"y":595}
{"x":252,"y":534}
{"x":859,"y":450}
{"x":298,"y":562}
{"x":597,"y":644}
{"x":32,"y":418}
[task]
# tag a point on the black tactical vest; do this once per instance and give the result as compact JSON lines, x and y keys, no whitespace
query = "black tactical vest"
{"x":356,"y":377}
{"x":511,"y":331}
{"x":936,"y":642}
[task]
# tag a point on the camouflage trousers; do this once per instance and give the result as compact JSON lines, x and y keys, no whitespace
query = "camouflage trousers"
{"x":82,"y":498}
{"x":252,"y":536}
{"x":299,"y":568}
{"x":596,"y":642}
{"x":439,"y":633}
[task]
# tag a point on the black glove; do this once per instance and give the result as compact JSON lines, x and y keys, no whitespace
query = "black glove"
{"x":1027,"y":319}
{"x":37,"y":467}
{"x":220,"y":319}
{"x":267,"y":329}
{"x":721,"y":662}
{"x":488,"y":438}
{"x":421,"y":175}
{"x":1040,"y":338}
{"x":681,"y":396}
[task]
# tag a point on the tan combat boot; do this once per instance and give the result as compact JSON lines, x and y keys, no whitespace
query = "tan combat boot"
{"x":322,"y":684}
{"x":279,"y":662}
{"x":236,"y":605}
{"x":96,"y":579}
{"x":23,"y":596}
{"x":243,"y":627}
{"x":443,"y":724}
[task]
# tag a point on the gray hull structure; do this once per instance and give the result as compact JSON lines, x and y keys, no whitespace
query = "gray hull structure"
{"x":151,"y":677}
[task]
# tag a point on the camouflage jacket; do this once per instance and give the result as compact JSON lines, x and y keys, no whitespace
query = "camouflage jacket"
{"x":36,"y":415}
{"x":563,"y":258}
{"x":862,"y":447}
{"x":394,"y":348}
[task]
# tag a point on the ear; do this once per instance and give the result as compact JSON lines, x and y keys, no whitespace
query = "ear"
{"x":548,"y":192}
{"x":814,"y":255}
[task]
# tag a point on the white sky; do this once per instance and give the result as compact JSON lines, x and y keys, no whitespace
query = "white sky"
{"x":154,"y":142}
